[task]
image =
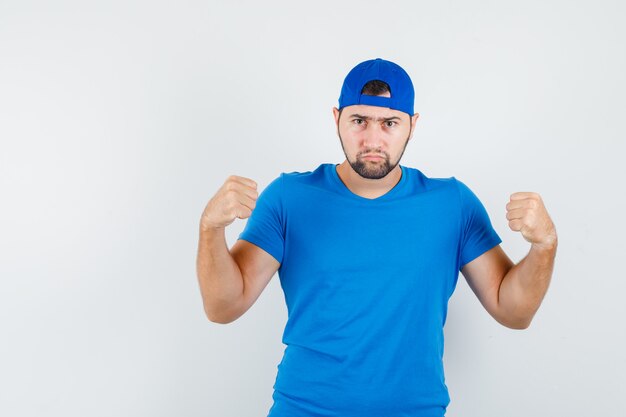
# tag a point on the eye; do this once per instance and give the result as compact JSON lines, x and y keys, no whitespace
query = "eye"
{"x":358,"y":121}
{"x":390,"y":123}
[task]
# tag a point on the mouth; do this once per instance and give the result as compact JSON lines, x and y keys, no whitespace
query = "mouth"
{"x":372,"y":157}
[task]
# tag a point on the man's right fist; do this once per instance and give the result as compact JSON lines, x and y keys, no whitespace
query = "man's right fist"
{"x":235,"y":199}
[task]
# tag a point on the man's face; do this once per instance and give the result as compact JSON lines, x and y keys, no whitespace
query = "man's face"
{"x":366,"y":131}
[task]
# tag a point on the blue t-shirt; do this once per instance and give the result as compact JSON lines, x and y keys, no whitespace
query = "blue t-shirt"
{"x":366,"y":283}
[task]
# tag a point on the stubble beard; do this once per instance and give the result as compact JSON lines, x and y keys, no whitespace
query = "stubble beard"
{"x":372,"y":169}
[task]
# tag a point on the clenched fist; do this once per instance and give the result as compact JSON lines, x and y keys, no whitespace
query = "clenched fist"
{"x":235,"y":199}
{"x":527,"y":214}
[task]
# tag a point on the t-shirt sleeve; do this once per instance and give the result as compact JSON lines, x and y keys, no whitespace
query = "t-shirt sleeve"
{"x":265,"y":226}
{"x":477,"y":233}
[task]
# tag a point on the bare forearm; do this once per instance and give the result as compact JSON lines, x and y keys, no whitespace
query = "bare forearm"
{"x":525,"y":285}
{"x":219,"y":276}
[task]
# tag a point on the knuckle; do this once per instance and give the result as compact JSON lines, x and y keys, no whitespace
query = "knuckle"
{"x":236,"y":212}
{"x":233,"y":204}
{"x":232,"y":187}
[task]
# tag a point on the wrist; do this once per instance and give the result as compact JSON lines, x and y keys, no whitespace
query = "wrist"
{"x":210,"y":229}
{"x":548,"y":245}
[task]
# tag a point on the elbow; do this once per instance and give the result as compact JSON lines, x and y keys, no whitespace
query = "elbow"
{"x":514,"y":318}
{"x":219,"y":320}
{"x":517,"y":323}
{"x":213,"y":317}
{"x":221,"y":317}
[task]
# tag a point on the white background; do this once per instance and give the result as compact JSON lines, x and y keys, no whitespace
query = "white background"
{"x":119,"y":120}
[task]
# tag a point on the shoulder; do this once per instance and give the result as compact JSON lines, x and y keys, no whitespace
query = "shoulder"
{"x":292,"y":179}
{"x":289,"y":178}
{"x":423,"y":182}
{"x":467,"y":195}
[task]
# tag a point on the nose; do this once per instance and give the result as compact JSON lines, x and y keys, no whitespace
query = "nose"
{"x":372,"y":136}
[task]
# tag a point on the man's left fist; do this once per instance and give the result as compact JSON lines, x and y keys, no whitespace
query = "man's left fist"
{"x":527,"y":214}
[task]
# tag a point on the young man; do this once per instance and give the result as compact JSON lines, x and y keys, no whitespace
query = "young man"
{"x":368,"y":253}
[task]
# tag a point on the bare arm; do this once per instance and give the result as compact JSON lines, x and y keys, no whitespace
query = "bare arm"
{"x":219,"y":276}
{"x":512,"y":293}
{"x":525,"y":285}
{"x":230,"y":280}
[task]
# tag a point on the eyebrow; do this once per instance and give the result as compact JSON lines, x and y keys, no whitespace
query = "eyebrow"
{"x":380,"y":119}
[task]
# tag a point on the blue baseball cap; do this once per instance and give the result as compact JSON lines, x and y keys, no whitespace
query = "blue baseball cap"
{"x":402,"y":93}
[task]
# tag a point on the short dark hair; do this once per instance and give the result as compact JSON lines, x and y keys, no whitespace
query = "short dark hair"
{"x":375,"y":88}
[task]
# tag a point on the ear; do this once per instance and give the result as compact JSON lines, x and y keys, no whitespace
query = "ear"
{"x":336,"y":116}
{"x":413,"y":122}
